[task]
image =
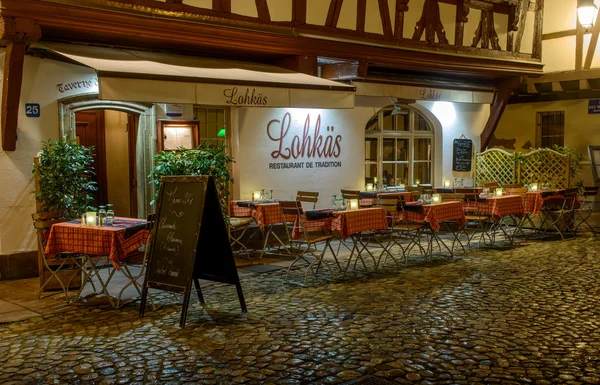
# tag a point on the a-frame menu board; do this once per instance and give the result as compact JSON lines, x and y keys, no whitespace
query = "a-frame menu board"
{"x":189,"y":241}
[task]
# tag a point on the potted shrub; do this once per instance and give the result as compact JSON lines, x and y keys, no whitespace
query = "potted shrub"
{"x":206,"y":160}
{"x":65,"y":184}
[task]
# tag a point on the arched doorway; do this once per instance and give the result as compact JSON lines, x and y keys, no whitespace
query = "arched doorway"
{"x":77,"y":114}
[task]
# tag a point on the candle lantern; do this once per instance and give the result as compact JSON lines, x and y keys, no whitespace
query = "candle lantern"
{"x":436,"y":198}
{"x":499,"y":192}
{"x":90,"y":218}
{"x":369,"y":187}
{"x":446,"y":183}
{"x":534,"y":187}
{"x":256,"y":195}
{"x":417,"y":181}
{"x":353,"y":204}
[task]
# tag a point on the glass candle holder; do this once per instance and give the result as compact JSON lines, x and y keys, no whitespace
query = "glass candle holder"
{"x":90,"y":218}
{"x":369,"y":187}
{"x":446,"y":183}
{"x":353,"y":204}
{"x":498,"y":192}
{"x":534,"y":187}
{"x":436,"y":198}
{"x":256,"y":195}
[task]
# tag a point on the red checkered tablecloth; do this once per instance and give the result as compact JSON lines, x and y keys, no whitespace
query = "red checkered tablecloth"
{"x":408,"y":197}
{"x":238,"y":211}
{"x":533,"y":202}
{"x":323,"y":224}
{"x":351,"y":222}
{"x":499,"y":207}
{"x":269,"y":214}
{"x":111,"y":241}
{"x":438,"y":213}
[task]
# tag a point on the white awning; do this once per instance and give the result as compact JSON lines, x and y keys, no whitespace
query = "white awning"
{"x":127,"y":75}
{"x":422,"y":93}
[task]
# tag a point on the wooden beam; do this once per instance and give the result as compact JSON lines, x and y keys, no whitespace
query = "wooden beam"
{"x":221,"y":6}
{"x":11,"y":93}
{"x":592,"y":47}
{"x":401,"y":8}
{"x":304,"y":64}
{"x":553,"y":97}
{"x":344,"y":71}
{"x":497,"y":109}
{"x":521,"y":26}
{"x":333,"y":15}
{"x":560,"y":34}
{"x":299,"y":11}
{"x":579,"y":49}
{"x":567,"y":76}
{"x":361,"y":11}
{"x":538,"y":26}
{"x":462,"y":12}
{"x":386,"y":22}
{"x":262,"y":9}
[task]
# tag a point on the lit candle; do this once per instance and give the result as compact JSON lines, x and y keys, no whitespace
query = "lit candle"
{"x":375,"y":180}
{"x":256,"y":195}
{"x":353,"y":204}
{"x":498,"y":192}
{"x":436,"y":198}
{"x":417,"y":181}
{"x":534,"y":187}
{"x":401,"y":186}
{"x":369,"y":186}
{"x":90,"y":218}
{"x":446,"y":183}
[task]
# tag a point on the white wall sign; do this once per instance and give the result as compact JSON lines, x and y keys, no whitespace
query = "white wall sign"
{"x":174,"y":110}
{"x":80,"y":86}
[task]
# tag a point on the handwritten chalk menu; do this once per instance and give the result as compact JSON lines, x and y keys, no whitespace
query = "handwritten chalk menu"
{"x":462,"y":154}
{"x":189,"y":241}
{"x":594,"y":153}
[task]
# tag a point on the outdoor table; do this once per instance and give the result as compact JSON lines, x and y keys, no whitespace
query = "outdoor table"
{"x":499,"y":208}
{"x":124,"y":237}
{"x":350,"y":223}
{"x":434,"y":215}
{"x":314,"y":220}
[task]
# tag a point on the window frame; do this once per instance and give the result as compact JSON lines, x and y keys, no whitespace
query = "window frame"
{"x":162,"y":124}
{"x":539,"y":124}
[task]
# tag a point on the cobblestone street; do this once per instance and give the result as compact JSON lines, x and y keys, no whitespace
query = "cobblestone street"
{"x":529,"y":315}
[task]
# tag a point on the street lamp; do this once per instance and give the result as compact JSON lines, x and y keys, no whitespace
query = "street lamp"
{"x":586,"y":11}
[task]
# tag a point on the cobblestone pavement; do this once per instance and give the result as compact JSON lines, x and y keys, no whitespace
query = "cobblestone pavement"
{"x":527,"y":315}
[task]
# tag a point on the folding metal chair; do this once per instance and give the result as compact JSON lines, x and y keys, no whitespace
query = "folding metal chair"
{"x":61,"y":271}
{"x":586,"y":208}
{"x":308,"y":196}
{"x":351,"y":194}
{"x":237,"y":230}
{"x":561,"y":218}
{"x":307,"y":243}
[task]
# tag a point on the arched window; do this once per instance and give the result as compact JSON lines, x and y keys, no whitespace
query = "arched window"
{"x":399,"y":147}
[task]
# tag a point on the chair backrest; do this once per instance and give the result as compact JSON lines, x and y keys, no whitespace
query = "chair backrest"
{"x":452,"y":197}
{"x":516,"y":190}
{"x":42,"y":222}
{"x":351,"y":194}
{"x":589,"y":195}
{"x":513,"y":185}
{"x":491,"y":184}
{"x":308,"y":196}
{"x":292,"y":208}
{"x":390,"y":207}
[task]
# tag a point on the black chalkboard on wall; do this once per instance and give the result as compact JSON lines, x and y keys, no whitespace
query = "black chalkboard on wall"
{"x":462,"y":154}
{"x":189,"y":241}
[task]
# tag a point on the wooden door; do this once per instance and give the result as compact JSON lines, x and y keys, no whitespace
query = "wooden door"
{"x":90,"y":132}
{"x":132,"y":129}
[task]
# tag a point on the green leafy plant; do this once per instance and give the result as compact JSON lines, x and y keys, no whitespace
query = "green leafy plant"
{"x":206,"y":160}
{"x":65,"y":170}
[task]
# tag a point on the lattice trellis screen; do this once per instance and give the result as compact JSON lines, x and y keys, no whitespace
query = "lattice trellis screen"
{"x":545,"y":166}
{"x":494,"y":165}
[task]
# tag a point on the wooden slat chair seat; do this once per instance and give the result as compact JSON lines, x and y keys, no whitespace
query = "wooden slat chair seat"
{"x":307,"y":243}
{"x":237,"y":230}
{"x":308,"y":196}
{"x":452,"y":197}
{"x":586,"y":208}
{"x":63,"y":271}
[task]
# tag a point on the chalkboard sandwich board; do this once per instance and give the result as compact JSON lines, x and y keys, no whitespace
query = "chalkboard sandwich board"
{"x":189,"y":241}
{"x":462,"y":154}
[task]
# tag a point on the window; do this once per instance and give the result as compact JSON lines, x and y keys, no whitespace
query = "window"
{"x":213,"y":124}
{"x":551,"y":128}
{"x":173,"y":134}
{"x":399,"y":147}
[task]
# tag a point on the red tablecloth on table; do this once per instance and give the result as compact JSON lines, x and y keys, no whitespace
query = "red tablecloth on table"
{"x":408,"y":197}
{"x":239,"y":211}
{"x":499,"y":207}
{"x":351,"y":222}
{"x":111,"y":241}
{"x":533,"y":202}
{"x":323,"y":224}
{"x":438,"y":213}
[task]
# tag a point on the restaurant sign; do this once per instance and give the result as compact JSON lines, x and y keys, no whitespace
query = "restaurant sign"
{"x":594,"y":106}
{"x":78,"y":86}
{"x":309,"y":146}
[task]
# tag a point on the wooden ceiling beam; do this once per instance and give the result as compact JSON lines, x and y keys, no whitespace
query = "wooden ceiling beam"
{"x":98,"y":26}
{"x":498,"y":106}
{"x":262,"y":9}
{"x":305,"y":64}
{"x":344,"y":71}
{"x":299,"y":11}
{"x":553,"y":97}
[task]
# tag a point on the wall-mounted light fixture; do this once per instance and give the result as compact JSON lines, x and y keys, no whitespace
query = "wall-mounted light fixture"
{"x":586,"y":12}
